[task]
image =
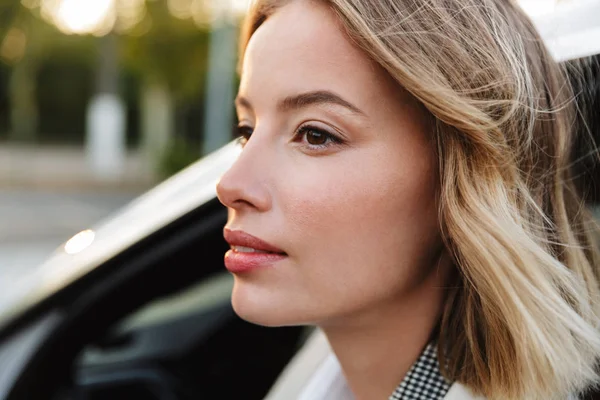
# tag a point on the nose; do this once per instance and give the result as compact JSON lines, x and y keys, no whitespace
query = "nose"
{"x":244,"y":186}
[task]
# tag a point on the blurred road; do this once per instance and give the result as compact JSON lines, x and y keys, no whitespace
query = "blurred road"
{"x":33,"y":222}
{"x":49,"y":193}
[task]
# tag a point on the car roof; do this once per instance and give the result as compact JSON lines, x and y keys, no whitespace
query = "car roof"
{"x":157,"y":208}
{"x":570,"y":29}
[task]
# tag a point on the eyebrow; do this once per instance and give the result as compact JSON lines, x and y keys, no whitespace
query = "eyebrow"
{"x":307,"y":99}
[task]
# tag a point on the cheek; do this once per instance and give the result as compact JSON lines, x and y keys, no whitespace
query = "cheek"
{"x":361,"y":217}
{"x":363,"y":189}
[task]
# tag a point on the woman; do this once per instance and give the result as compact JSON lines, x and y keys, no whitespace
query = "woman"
{"x":405,"y":185}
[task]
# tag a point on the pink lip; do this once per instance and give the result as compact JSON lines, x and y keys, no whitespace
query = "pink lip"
{"x":237,"y":262}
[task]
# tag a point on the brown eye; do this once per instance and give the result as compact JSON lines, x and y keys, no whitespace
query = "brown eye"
{"x":315,"y":137}
{"x":243,"y":132}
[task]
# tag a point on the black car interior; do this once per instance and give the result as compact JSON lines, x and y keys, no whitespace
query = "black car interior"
{"x":157,"y":325}
{"x":585,"y":78}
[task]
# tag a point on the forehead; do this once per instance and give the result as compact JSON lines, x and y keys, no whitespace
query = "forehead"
{"x":303,"y":47}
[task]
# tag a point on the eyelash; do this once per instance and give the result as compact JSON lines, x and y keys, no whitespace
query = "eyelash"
{"x":244,"y":132}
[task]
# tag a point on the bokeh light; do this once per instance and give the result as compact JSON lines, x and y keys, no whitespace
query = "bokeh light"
{"x":13,"y":46}
{"x":129,"y":14}
{"x":205,"y":12}
{"x":240,"y":6}
{"x":81,"y":16}
{"x":181,"y":9}
{"x":99,"y":17}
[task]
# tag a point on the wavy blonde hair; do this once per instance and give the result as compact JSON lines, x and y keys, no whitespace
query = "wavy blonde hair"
{"x":522,"y":322}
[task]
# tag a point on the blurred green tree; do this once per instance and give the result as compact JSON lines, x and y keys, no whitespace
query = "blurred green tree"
{"x":162,"y":50}
{"x":44,"y":68}
{"x":168,"y":54}
{"x":9,"y":9}
{"x":167,"y":49}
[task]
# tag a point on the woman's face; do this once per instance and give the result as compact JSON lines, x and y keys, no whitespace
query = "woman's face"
{"x":338,"y":172}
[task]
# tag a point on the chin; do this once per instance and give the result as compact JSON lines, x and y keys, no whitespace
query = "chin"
{"x":264,"y":307}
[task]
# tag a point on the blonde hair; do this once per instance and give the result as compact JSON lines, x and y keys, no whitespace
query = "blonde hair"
{"x":522,"y":320}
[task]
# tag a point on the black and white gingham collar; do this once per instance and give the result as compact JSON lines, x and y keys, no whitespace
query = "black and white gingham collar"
{"x":424,"y":381}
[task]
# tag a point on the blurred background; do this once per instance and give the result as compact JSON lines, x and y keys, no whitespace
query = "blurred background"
{"x":99,"y":101}
{"x":102,"y":99}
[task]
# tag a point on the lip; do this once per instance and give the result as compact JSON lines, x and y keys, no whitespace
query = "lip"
{"x":241,"y":238}
{"x":238,"y":262}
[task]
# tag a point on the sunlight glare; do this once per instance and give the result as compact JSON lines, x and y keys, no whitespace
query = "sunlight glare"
{"x":80,"y":242}
{"x":84,"y":16}
{"x":240,"y":6}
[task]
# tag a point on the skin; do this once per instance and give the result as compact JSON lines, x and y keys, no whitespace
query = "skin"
{"x":358,"y":219}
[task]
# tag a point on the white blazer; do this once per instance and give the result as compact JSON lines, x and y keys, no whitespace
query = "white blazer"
{"x":315,"y":374}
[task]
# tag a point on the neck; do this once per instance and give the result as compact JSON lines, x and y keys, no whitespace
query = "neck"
{"x":377,"y":348}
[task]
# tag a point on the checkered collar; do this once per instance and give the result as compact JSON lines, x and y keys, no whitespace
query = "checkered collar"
{"x":424,"y":381}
